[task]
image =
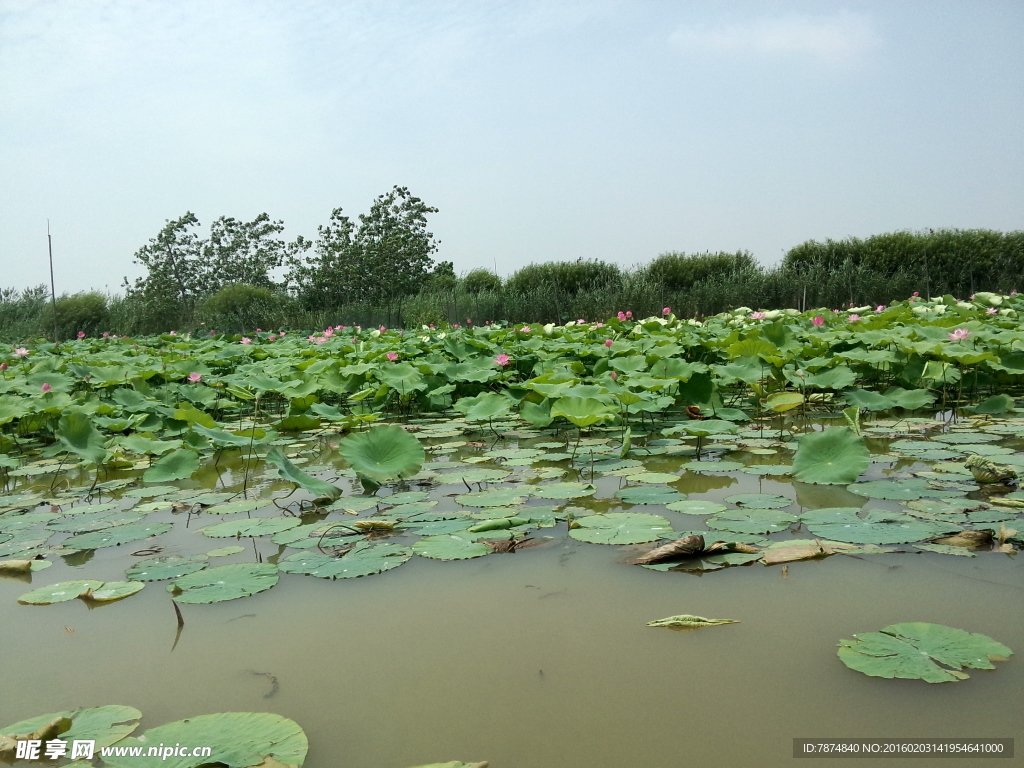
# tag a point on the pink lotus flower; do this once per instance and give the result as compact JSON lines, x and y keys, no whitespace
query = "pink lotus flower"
{"x":622,"y":315}
{"x":195,"y":378}
{"x":854,"y":318}
{"x":3,"y":367}
{"x":525,"y":329}
{"x":382,"y":329}
{"x":107,"y":336}
{"x":607,"y":342}
{"x":455,"y":325}
{"x":81,"y":334}
{"x":666,"y":310}
{"x":392,"y":356}
{"x":959,"y":334}
{"x":46,"y":386}
{"x":245,"y":340}
{"x":880,"y":309}
{"x":468,"y":321}
{"x":213,"y":333}
{"x":628,"y":313}
{"x":818,"y":320}
{"x":329,"y":332}
{"x":272,"y":337}
{"x":598,"y":325}
{"x":991,"y":311}
{"x":20,"y":352}
{"x":757,"y":315}
{"x":581,"y":321}
{"x":614,"y":375}
{"x":916,"y":293}
{"x":502,"y":360}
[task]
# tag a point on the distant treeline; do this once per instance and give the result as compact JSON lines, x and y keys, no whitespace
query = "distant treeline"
{"x":834,"y":273}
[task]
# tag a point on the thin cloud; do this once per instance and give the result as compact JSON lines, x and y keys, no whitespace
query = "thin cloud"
{"x":837,"y":38}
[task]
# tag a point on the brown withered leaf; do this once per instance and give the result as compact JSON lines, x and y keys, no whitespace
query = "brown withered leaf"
{"x":53,"y":729}
{"x":16,"y":566}
{"x":970,"y":539}
{"x":688,"y":546}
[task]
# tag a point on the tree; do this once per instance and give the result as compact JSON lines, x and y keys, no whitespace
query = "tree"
{"x":172,"y":260}
{"x":245,"y":252}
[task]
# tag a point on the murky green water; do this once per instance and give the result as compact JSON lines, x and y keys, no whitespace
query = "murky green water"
{"x":535,"y":659}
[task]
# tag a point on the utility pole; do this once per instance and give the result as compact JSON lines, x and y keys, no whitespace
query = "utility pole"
{"x":53,"y":290}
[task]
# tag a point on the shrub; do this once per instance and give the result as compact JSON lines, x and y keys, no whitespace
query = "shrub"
{"x":243,"y":307}
{"x":564,"y":277}
{"x":680,"y":271}
{"x":479,"y":280}
{"x":80,"y":312}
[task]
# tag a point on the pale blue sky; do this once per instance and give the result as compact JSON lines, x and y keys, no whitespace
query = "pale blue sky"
{"x":541,"y":130}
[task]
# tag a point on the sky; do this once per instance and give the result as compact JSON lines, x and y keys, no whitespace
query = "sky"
{"x":541,"y":130}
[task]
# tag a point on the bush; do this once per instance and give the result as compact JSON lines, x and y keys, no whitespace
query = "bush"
{"x":564,"y":277}
{"x":479,"y":280}
{"x":680,"y":271}
{"x":244,"y":307}
{"x":21,"y":312}
{"x":80,"y":312}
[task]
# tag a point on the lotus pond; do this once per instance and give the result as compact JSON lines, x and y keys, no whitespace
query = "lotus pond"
{"x":184,"y":521}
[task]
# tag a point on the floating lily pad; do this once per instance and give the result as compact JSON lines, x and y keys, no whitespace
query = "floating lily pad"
{"x":234,"y":507}
{"x":877,"y":526}
{"x":224,"y":582}
{"x":113,"y":537}
{"x":160,"y":568}
{"x":564,"y":490}
{"x":712,"y":466}
{"x":59,"y":593}
{"x":237,"y":739}
{"x":450,"y":547}
{"x":498,"y":497}
{"x":473,"y":476}
{"x":696,"y":507}
{"x":946,"y":549}
{"x":225,"y":551}
{"x":652,"y":477}
{"x":648,"y":494}
{"x":114,"y":590}
{"x":95,"y":521}
{"x":250,"y":526}
{"x":908,"y":489}
{"x":364,"y":559}
{"x":751,"y":520}
{"x":915,"y":650}
{"x":105,"y":725}
{"x":759,"y":500}
{"x":620,"y":528}
{"x":151,"y":492}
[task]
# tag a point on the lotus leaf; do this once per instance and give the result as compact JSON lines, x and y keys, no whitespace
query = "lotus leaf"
{"x":696,"y":507}
{"x":759,"y":500}
{"x":250,"y":526}
{"x":105,"y":725}
{"x":751,"y":520}
{"x":364,"y":559}
{"x":290,"y":472}
{"x":833,"y":456}
{"x":621,"y":528}
{"x":564,"y":490}
{"x":382,"y":453}
{"x":877,"y":526}
{"x":450,"y":547}
{"x":224,"y":582}
{"x":113,"y":590}
{"x":114,"y":537}
{"x":686,"y":621}
{"x":915,"y":650}
{"x":59,"y":593}
{"x":160,"y":568}
{"x":237,"y":739}
{"x":176,"y":465}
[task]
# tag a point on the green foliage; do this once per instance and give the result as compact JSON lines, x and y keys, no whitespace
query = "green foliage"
{"x":481,"y":280}
{"x":243,"y":307}
{"x":565,"y":277}
{"x":681,"y":271}
{"x":79,"y":312}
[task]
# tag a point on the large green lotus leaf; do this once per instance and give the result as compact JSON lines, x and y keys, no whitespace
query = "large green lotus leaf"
{"x":114,"y":590}
{"x":652,"y":477}
{"x":497,"y":497}
{"x":76,"y":433}
{"x":289,"y":471}
{"x":696,"y":507}
{"x":911,"y":399}
{"x":250,"y":526}
{"x":484,"y":407}
{"x":582,"y":411}
{"x":436,"y":527}
{"x":472,"y":476}
{"x":877,"y":526}
{"x":834,"y":455}
{"x":649,"y":494}
{"x":160,"y":568}
{"x":751,"y":520}
{"x":865,"y":398}
{"x":94,"y":521}
{"x":759,"y":500}
{"x":224,"y":551}
{"x":407,"y":497}
{"x":708,"y":427}
{"x":364,"y":559}
{"x":139,"y":444}
{"x":59,"y":593}
{"x":712,"y":466}
{"x":994,"y":405}
{"x":382,"y":453}
{"x":177,"y":465}
{"x":620,"y":528}
{"x":907,"y":489}
{"x":224,"y":582}
{"x":151,"y":492}
{"x":564,"y":490}
{"x":237,"y":739}
{"x":451,"y":546}
{"x":113,"y":537}
{"x":234,"y":507}
{"x":105,"y":725}
{"x":914,"y":651}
